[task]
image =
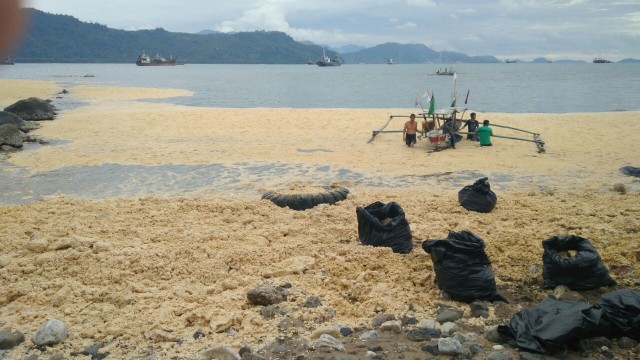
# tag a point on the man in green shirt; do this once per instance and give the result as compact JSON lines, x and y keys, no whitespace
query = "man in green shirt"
{"x":485,"y":133}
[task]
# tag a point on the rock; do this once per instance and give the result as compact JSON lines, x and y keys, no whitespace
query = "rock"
{"x":312,"y":302}
{"x":476,"y":349}
{"x":221,"y":352}
{"x":593,"y":343}
{"x":479,"y":309}
{"x":198,"y":334}
{"x":409,"y":320}
{"x":10,"y":338}
{"x":5,"y":260}
{"x":266,"y":295}
{"x":449,"y":315}
{"x":346,"y":331}
{"x":423,"y":334}
{"x":33,"y":109}
{"x":394,"y":326}
{"x":429,"y":324}
{"x":51,"y":333}
{"x":10,"y":135}
{"x":334,"y":331}
{"x":494,"y":336}
{"x":607,"y":352}
{"x":93,"y":351}
{"x":60,"y":356}
{"x":369,"y":335}
{"x":431,"y":348}
{"x":447,"y":346}
{"x":448,"y":328}
{"x":624,"y":343}
{"x":498,"y":355}
{"x":11,"y":118}
{"x":328,"y":341}
{"x":562,"y":292}
{"x":380,"y":319}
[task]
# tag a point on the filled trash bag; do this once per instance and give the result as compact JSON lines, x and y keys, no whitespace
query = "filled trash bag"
{"x":478,"y":197}
{"x":385,"y":225}
{"x":584,"y":271}
{"x":549,"y":326}
{"x":620,"y":314}
{"x":462,"y":268}
{"x":630,"y":170}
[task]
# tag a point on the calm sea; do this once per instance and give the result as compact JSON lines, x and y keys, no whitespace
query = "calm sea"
{"x":512,"y":88}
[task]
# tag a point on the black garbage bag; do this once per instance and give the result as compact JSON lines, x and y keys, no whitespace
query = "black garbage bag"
{"x":385,"y":225}
{"x":620,"y":314}
{"x":630,"y":170}
{"x":549,"y":326}
{"x":478,"y":197}
{"x":462,"y":268}
{"x":584,"y":271}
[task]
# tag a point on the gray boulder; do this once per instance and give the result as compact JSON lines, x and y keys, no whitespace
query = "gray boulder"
{"x":11,"y":118}
{"x":51,"y":333}
{"x":10,"y":135}
{"x":33,"y":109}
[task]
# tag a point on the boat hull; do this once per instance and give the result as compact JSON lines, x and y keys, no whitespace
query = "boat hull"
{"x":157,"y":63}
{"x":327,"y":63}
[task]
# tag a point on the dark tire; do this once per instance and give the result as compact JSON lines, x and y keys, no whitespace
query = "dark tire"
{"x":307,"y":201}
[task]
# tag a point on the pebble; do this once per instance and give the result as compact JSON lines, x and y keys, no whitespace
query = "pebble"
{"x":328,"y":341}
{"x":479,"y":309}
{"x":221,"y":352}
{"x":394,"y":326}
{"x":448,"y":346}
{"x":51,"y":333}
{"x":429,"y":324}
{"x":380,"y":319}
{"x":346,"y":331}
{"x":266,"y":295}
{"x":10,"y":338}
{"x":498,"y":355}
{"x":495,"y":337}
{"x":334,"y":331}
{"x":449,"y":315}
{"x":448,"y":328}
{"x":423,"y":334}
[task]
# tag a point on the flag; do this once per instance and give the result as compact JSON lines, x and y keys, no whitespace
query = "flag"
{"x":432,"y":105}
{"x":467,"y":98}
{"x":426,"y":94}
{"x":453,"y":102}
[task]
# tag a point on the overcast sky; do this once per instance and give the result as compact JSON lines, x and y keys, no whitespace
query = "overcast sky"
{"x":522,"y":29}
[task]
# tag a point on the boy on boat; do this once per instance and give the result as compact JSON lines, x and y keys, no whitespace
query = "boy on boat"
{"x":485,"y":133}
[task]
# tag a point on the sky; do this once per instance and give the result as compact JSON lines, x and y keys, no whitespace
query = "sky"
{"x":506,"y":29}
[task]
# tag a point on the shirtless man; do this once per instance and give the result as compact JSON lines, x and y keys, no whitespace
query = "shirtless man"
{"x":409,"y":131}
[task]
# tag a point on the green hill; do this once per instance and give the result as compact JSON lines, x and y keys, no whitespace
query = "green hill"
{"x":65,"y":39}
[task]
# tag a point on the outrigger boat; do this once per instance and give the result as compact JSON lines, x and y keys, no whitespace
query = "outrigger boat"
{"x":439,"y":125}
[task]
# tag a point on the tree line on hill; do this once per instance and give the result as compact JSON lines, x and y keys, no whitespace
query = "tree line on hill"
{"x":54,"y":38}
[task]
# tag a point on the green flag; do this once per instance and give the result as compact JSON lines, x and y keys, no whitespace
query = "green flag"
{"x":432,"y":104}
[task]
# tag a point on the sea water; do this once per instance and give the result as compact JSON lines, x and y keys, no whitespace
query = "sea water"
{"x":510,"y":88}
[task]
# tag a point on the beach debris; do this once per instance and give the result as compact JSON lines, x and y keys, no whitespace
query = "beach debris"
{"x":384,"y":225}
{"x":33,"y":109}
{"x":462,"y":268}
{"x":583,"y":271}
{"x":303,"y":201}
{"x":478,"y":197}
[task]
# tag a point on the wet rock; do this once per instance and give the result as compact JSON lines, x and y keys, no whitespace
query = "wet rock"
{"x":11,"y":136}
{"x":562,"y":292}
{"x":33,"y":109}
{"x":266,"y":295}
{"x":380,"y":319}
{"x":328,"y":341}
{"x":423,"y":334}
{"x":449,"y":315}
{"x":448,"y":346}
{"x":11,"y":118}
{"x":10,"y":338}
{"x":479,"y":309}
{"x":221,"y":352}
{"x":51,"y":333}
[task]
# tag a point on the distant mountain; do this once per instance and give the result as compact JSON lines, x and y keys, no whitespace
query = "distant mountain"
{"x":411,"y":54}
{"x":347,"y":49}
{"x":541,"y":60}
{"x":65,"y":39}
{"x":629,"y":61}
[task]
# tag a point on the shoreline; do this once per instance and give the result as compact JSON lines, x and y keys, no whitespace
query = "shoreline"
{"x":139,"y":272}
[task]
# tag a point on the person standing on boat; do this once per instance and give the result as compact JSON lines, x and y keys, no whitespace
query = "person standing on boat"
{"x":485,"y":133}
{"x":410,"y":130}
{"x":472,"y":124}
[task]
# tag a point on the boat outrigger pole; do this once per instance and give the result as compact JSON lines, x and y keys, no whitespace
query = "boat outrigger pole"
{"x":375,"y":133}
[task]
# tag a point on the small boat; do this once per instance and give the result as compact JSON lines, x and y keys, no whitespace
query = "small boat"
{"x":326,"y":61}
{"x":600,"y":60}
{"x":391,"y":62}
{"x":146,"y":60}
{"x":447,"y":71}
{"x":509,"y":61}
{"x":7,"y":61}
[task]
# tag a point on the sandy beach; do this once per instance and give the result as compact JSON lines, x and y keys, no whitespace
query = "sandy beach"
{"x":140,"y":272}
